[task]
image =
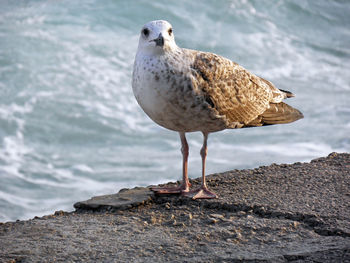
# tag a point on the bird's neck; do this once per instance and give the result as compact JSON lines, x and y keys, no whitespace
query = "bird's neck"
{"x":166,"y":51}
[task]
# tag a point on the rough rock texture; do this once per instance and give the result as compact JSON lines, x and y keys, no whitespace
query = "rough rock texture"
{"x":276,"y":213}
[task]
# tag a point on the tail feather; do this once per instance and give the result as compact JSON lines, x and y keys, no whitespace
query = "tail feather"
{"x":288,"y":93}
{"x":278,"y":113}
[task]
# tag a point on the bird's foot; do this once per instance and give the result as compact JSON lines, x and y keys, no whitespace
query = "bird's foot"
{"x":183,"y":188}
{"x":200,"y":193}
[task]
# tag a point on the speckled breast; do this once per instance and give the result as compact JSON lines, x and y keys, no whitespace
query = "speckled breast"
{"x":166,"y":94}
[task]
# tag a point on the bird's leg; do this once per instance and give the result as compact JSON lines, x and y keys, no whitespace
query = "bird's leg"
{"x":184,"y":187}
{"x":202,"y":192}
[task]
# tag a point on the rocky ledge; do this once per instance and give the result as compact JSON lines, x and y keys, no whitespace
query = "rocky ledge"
{"x":277,"y":213}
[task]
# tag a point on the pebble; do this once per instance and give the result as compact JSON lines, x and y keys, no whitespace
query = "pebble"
{"x":153,"y":220}
{"x":295,"y":224}
{"x":217,"y":216}
{"x":213,"y":220}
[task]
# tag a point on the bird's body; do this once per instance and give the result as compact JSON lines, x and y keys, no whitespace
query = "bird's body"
{"x":187,"y":90}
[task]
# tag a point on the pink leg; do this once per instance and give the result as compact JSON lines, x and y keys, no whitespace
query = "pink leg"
{"x":185,"y":185}
{"x":202,"y":192}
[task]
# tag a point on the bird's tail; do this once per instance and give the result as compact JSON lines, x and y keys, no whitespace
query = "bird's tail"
{"x":287,"y":93}
{"x":278,"y":113}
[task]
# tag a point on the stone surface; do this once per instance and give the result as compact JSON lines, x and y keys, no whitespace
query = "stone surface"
{"x":125,"y":199}
{"x":276,"y":213}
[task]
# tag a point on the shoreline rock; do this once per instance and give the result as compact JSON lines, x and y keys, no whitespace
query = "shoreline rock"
{"x":277,"y":213}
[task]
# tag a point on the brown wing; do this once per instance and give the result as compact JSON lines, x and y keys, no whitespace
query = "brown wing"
{"x":231,"y":91}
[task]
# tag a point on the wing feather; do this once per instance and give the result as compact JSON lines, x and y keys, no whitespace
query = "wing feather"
{"x":233,"y":92}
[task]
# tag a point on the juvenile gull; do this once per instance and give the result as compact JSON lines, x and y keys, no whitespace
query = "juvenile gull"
{"x":188,"y":90}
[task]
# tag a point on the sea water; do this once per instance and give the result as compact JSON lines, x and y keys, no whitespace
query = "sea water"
{"x":70,"y":127}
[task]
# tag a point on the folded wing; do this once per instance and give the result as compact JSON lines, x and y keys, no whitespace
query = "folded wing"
{"x":237,"y":96}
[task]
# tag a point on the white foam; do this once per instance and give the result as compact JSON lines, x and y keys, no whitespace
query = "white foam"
{"x":286,"y":149}
{"x":17,"y":200}
{"x":83,"y":168}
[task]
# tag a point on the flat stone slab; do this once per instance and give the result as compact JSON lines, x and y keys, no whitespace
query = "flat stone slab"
{"x":124,"y":199}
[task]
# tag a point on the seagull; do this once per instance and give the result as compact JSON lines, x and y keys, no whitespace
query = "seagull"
{"x":187,"y":90}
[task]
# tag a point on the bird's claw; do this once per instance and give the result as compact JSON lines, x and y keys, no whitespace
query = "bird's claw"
{"x":200,"y":193}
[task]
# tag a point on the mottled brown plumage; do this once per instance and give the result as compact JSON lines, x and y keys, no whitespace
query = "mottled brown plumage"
{"x":241,"y":98}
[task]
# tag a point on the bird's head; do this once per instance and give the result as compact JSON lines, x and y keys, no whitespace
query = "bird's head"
{"x":157,"y":37}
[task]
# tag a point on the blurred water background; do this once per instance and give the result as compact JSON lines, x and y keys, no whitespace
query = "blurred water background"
{"x":70,"y":127}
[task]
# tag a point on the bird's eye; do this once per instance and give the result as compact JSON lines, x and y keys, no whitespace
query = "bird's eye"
{"x":145,"y":32}
{"x":170,"y":31}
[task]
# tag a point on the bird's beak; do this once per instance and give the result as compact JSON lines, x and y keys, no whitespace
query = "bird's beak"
{"x":159,"y":40}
